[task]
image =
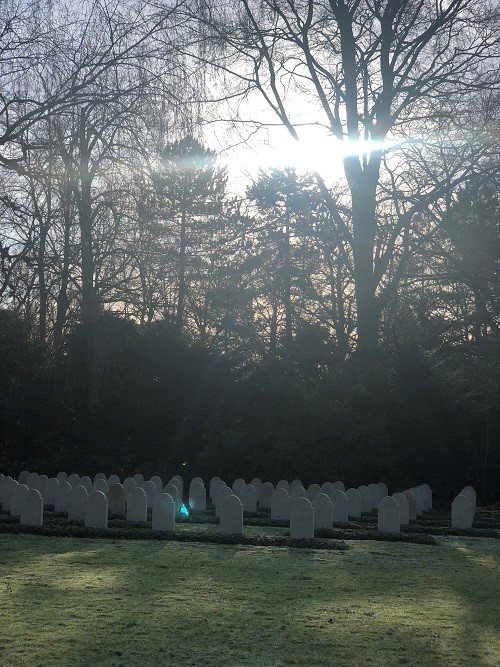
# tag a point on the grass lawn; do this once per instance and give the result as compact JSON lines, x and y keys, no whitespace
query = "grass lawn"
{"x":67,"y":601}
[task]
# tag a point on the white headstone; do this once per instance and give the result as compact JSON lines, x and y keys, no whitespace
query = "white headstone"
{"x":129,"y":483}
{"x":338,"y":486}
{"x":265,"y":495}
{"x":164,"y":512}
{"x":51,"y":487}
{"x":249,"y":498}
{"x":366,"y":498}
{"x":374,"y":495}
{"x":353,"y":502}
{"x":96,"y":510}
{"x":116,"y":499}
{"x":17,"y":500}
{"x":32,"y":509}
{"x":383,"y":491}
{"x":323,"y":511}
{"x":297,"y":492}
{"x":137,"y":505}
{"x":157,"y":481}
{"x":238,"y":486}
{"x":77,"y":503}
{"x":74,"y":479}
{"x":151,"y":491}
{"x":113,"y":479}
{"x":340,"y":507}
{"x":294,"y":483}
{"x":280,"y":505}
{"x":222,"y":493}
{"x":256,"y":482}
{"x":100,"y":475}
{"x":215,"y":482}
{"x":177,"y":480}
{"x":327,"y":487}
{"x":301,"y":520}
{"x":427,"y":495}
{"x":283,"y":484}
{"x":101,"y":485}
{"x":197,"y":496}
{"x":62,"y":476}
{"x":231,"y":516}
{"x":9,"y":489}
{"x":471,"y":494}
{"x":404,"y":508}
{"x":138,"y":478}
{"x":313,"y":490}
{"x":62,"y":497}
{"x":462,"y":512}
{"x":87,"y":483}
{"x":23,"y":476}
{"x":389,"y":515}
{"x":31,"y":480}
{"x":412,"y":506}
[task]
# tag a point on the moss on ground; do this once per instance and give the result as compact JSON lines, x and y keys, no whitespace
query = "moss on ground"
{"x":103,"y":602}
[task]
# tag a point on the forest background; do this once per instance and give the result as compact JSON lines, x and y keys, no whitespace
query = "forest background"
{"x":158,"y":312}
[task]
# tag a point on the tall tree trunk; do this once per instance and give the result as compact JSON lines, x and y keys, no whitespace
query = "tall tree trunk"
{"x":287,"y":289}
{"x":62,"y":297}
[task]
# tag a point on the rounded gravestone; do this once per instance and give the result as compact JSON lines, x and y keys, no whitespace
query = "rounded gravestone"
{"x":116,"y":499}
{"x":249,"y":498}
{"x":256,"y":482}
{"x":340,"y":507}
{"x":156,"y":479}
{"x":100,"y":475}
{"x":323,"y":511}
{"x":137,"y":505}
{"x":138,"y":478}
{"x":23,"y":476}
{"x":173,"y":491}
{"x":265,"y":495}
{"x":62,"y":497}
{"x":231,"y":516}
{"x":280,"y":505}
{"x":338,"y":486}
{"x":113,"y":479}
{"x":101,"y":485}
{"x":374,"y":495}
{"x":164,"y":511}
{"x":327,"y":487}
{"x":312,"y":491}
{"x":62,"y":476}
{"x":31,"y":480}
{"x":297,"y":492}
{"x":129,"y":483}
{"x":87,"y":483}
{"x":301,"y":520}
{"x":383,"y":491}
{"x":238,"y":486}
{"x":10,"y":489}
{"x":427,"y":495}
{"x":222,"y":493}
{"x":462,"y":512}
{"x":388,"y":515}
{"x":32,"y":509}
{"x":412,"y":507}
{"x":353,"y":502}
{"x":42,"y":481}
{"x":366,"y":498}
{"x":215,"y":482}
{"x":151,"y":491}
{"x":283,"y":484}
{"x":295,"y":482}
{"x":51,"y":488}
{"x":179,"y":483}
{"x":404,"y":508}
{"x":77,"y":502}
{"x":74,"y":479}
{"x":18,"y":496}
{"x":96,"y":510}
{"x":197,"y":496}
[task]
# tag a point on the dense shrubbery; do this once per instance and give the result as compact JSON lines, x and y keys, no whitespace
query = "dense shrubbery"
{"x":167,"y":405}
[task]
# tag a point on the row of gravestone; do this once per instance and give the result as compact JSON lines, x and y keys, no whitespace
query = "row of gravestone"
{"x":397,"y":510}
{"x":463,"y":508}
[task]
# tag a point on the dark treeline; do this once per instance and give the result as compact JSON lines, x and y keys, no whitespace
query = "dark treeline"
{"x":152,"y":321}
